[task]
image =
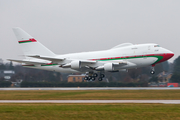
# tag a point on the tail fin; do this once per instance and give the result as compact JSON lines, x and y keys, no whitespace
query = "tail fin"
{"x":29,"y":45}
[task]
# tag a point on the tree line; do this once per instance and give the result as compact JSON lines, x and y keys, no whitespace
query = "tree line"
{"x":176,"y":71}
{"x":50,"y":78}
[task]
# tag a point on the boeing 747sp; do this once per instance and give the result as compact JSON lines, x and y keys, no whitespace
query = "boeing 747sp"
{"x":94,"y":64}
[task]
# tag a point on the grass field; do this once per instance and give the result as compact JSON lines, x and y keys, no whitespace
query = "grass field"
{"x":9,"y":111}
{"x":91,"y":95}
{"x":89,"y":112}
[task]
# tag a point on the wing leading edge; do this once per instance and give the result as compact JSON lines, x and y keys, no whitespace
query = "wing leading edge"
{"x":27,"y":61}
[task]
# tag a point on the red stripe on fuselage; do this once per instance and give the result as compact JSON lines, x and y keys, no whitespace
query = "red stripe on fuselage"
{"x":165,"y":56}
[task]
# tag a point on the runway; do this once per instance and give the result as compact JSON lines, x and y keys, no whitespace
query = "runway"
{"x":95,"y":101}
{"x":97,"y":88}
{"x":92,"y":101}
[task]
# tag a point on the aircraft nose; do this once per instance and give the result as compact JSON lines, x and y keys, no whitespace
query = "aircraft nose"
{"x":169,"y":54}
{"x":166,"y":56}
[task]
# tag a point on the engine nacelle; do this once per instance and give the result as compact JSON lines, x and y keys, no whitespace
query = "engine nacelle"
{"x":76,"y":64}
{"x":109,"y":67}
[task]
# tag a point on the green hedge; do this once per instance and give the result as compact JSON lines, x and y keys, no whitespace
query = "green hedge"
{"x":82,"y":84}
{"x":5,"y":83}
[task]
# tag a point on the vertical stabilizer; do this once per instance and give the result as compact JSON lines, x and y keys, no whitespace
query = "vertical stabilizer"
{"x":29,"y":45}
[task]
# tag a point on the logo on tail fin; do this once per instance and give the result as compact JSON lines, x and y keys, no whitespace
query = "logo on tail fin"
{"x":27,"y":41}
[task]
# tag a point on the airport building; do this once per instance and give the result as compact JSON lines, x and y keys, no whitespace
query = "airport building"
{"x":164,"y":76}
{"x":6,"y":74}
{"x":76,"y":78}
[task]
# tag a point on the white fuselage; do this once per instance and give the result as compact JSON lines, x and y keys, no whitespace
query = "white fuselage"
{"x":136,"y":56}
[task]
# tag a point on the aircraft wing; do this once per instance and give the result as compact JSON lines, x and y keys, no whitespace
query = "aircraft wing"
{"x":59,"y":59}
{"x":55,"y":59}
{"x":48,"y":58}
{"x":28,"y":62}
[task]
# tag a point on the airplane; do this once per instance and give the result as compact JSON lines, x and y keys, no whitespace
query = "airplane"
{"x":119,"y":58}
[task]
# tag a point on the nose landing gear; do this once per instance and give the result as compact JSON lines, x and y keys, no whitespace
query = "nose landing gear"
{"x":152,"y":71}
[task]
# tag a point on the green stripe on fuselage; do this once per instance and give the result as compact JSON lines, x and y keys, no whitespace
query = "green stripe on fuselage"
{"x":158,"y":58}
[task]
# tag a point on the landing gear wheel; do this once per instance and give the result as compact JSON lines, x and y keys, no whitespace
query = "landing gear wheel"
{"x":152,"y":72}
{"x":100,"y":78}
{"x":86,"y":78}
{"x":102,"y":75}
{"x":89,"y":77}
{"x":93,"y":78}
{"x":95,"y":74}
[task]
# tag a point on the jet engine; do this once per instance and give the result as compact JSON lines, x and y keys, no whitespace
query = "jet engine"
{"x":109,"y":67}
{"x":76,"y":64}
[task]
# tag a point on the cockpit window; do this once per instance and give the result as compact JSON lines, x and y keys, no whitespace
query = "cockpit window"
{"x":156,"y":46}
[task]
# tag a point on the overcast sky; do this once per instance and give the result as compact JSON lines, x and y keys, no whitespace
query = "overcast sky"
{"x":68,"y":26}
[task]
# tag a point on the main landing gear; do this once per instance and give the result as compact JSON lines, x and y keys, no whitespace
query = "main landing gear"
{"x":92,"y":76}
